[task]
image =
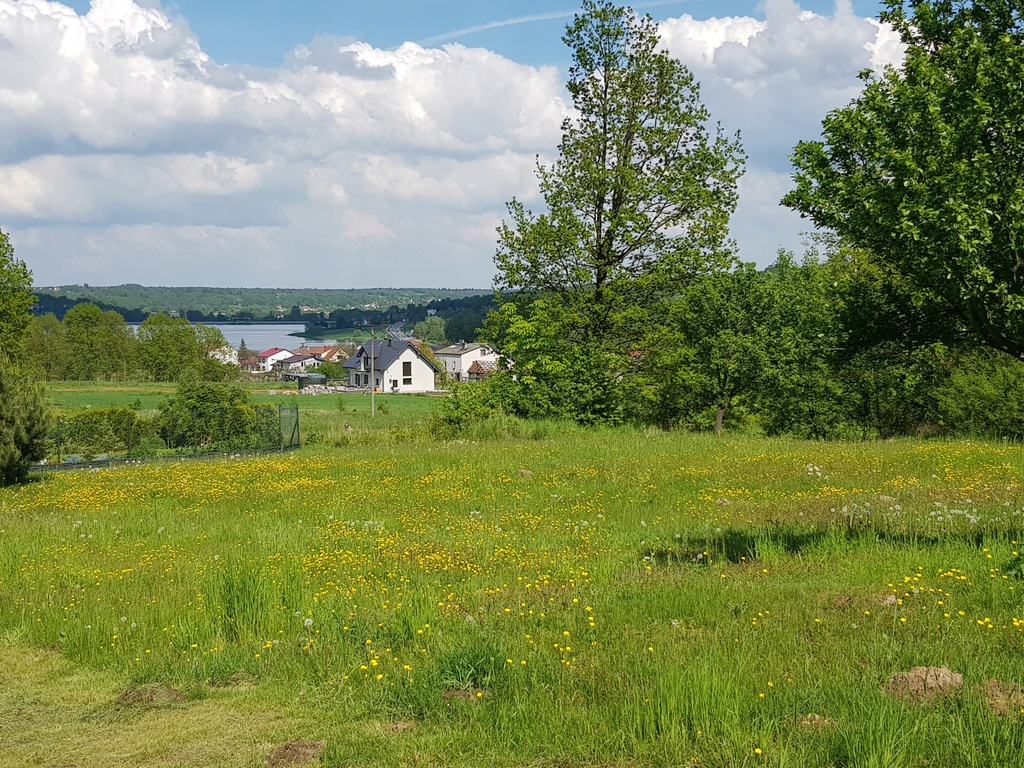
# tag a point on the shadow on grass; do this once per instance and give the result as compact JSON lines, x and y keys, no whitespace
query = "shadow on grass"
{"x":746,"y":545}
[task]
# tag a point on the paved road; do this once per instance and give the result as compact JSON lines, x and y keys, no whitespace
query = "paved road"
{"x":394,"y":331}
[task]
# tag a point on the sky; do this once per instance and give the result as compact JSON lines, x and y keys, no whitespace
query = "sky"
{"x":301,"y":143}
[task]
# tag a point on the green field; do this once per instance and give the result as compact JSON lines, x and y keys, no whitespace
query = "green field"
{"x":613,"y":598}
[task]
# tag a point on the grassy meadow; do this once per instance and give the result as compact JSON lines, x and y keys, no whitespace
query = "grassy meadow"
{"x":565,"y":598}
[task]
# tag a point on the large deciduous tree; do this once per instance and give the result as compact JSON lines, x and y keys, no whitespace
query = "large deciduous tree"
{"x":926,"y":167}
{"x":97,"y":345}
{"x":714,"y":347}
{"x":637,"y":201}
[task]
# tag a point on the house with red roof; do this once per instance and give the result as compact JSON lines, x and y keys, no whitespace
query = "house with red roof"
{"x":263,"y":362}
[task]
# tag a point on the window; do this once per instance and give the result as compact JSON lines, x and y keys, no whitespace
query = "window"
{"x":407,"y":374}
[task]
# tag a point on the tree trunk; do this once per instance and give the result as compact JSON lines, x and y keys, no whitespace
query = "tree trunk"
{"x":719,"y":419}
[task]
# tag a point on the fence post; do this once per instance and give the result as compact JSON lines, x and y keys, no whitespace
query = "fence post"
{"x":280,"y":427}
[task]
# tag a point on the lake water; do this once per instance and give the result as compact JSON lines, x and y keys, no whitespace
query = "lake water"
{"x":263,"y":336}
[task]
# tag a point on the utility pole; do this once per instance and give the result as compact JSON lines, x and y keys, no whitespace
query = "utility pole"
{"x":373,"y":379}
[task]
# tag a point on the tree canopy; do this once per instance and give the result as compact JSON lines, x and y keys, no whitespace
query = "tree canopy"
{"x":640,"y":195}
{"x":926,"y":167}
{"x":636,"y":203}
{"x":16,"y":298}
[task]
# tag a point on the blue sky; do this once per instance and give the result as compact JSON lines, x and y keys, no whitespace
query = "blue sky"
{"x":262,"y":32}
{"x":273,"y":143}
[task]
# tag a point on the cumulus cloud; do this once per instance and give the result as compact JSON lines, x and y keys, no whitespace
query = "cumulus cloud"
{"x":773,"y":80}
{"x":128,"y":154}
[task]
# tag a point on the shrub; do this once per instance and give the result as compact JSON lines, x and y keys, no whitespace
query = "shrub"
{"x":216,"y":416}
{"x":106,"y":430}
{"x":23,"y":422}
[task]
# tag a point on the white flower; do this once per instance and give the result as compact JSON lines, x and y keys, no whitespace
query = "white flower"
{"x":308,"y":623}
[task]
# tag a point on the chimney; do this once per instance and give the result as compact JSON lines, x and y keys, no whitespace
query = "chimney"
{"x":463,"y":345}
{"x":389,"y":341}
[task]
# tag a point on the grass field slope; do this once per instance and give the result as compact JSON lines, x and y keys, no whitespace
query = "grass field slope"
{"x":612,"y":598}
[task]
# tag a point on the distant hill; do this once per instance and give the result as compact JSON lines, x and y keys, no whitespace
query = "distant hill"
{"x":255,"y":303}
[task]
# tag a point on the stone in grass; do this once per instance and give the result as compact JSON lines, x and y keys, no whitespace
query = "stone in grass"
{"x":151,"y":695}
{"x":524,"y":473}
{"x":1002,"y":698}
{"x":925,"y":684}
{"x":296,"y":752}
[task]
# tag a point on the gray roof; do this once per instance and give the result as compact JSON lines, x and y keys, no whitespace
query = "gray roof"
{"x":385,"y":352}
{"x":460,"y":348}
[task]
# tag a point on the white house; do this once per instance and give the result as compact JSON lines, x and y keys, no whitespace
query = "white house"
{"x":457,"y":358}
{"x":226,"y":354}
{"x":391,"y":365}
{"x":264,"y":361}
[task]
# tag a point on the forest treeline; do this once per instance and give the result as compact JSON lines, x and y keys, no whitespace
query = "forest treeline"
{"x":205,"y":304}
{"x":91,"y":344}
{"x":832,"y":346}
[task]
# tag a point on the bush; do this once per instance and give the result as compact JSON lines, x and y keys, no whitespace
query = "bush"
{"x":216,"y":416}
{"x":23,"y":423}
{"x":983,"y":395}
{"x":105,"y":430}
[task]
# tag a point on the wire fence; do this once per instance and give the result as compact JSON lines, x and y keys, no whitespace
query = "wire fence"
{"x":118,"y":435}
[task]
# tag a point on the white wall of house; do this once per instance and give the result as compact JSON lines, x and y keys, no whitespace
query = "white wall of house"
{"x":407,"y":373}
{"x":226,"y":354}
{"x":267,"y":364}
{"x":456,"y":364}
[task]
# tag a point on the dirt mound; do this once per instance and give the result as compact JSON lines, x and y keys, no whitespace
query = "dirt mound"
{"x":153,"y":694}
{"x":1002,"y":698}
{"x":296,"y":752}
{"x":922,"y":684}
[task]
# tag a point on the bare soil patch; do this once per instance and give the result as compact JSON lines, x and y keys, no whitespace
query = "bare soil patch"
{"x":296,"y":752}
{"x":924,"y":684}
{"x":151,"y":695}
{"x":401,"y":726}
{"x":1002,"y":698}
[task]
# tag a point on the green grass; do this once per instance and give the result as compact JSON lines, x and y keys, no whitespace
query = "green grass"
{"x":325,"y":414}
{"x":617,"y":598}
{"x":74,"y":395}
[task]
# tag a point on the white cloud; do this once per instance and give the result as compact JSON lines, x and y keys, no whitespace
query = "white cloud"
{"x":129,"y":155}
{"x":773,"y":80}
